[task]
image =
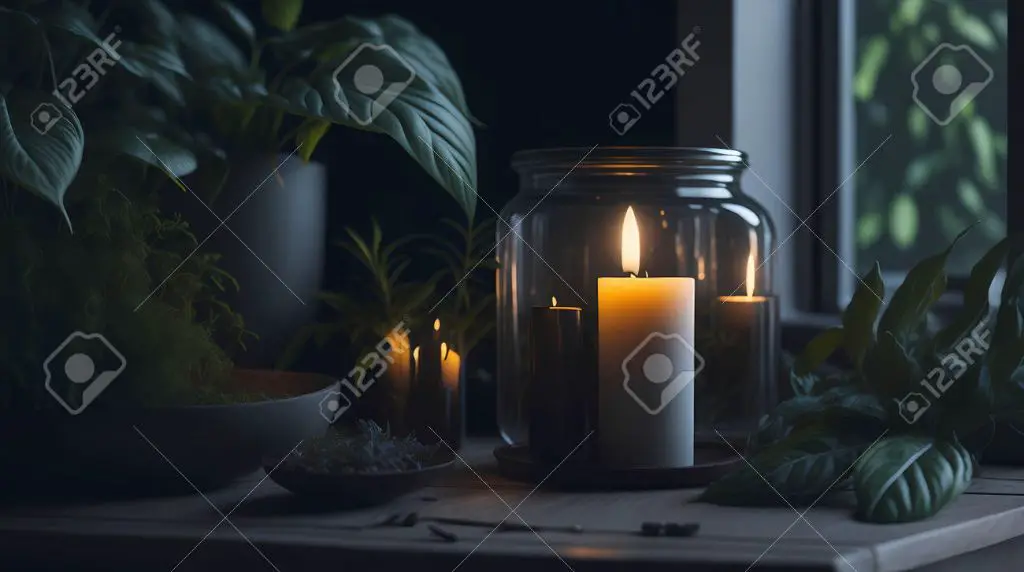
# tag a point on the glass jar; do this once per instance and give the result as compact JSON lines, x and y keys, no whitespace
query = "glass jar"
{"x":563,"y":232}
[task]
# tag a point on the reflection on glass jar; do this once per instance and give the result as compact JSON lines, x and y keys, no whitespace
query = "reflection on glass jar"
{"x":563,"y":232}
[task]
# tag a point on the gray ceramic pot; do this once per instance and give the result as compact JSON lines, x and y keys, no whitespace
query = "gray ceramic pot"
{"x":161,"y":450}
{"x":272,"y":241}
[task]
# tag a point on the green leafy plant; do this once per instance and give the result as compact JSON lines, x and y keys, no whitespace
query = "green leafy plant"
{"x":467,"y":309}
{"x":54,"y":42}
{"x":288,"y":86}
{"x":127,"y":271}
{"x":367,"y":312}
{"x":902,"y":425}
{"x":186,"y":88}
{"x":946,"y":175}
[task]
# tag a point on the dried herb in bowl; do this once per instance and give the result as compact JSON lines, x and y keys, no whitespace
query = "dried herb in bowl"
{"x":366,"y":449}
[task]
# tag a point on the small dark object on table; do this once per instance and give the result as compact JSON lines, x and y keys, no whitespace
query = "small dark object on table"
{"x":410,"y":519}
{"x":683,"y":530}
{"x":442,"y":533}
{"x":651,"y":529}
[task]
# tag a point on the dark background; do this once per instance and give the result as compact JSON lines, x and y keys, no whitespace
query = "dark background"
{"x":538,"y":74}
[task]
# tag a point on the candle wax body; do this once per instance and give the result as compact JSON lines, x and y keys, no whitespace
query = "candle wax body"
{"x":746,"y":369}
{"x":646,"y":369}
{"x":558,"y":397}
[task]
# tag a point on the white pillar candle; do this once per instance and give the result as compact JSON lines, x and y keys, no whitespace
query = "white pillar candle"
{"x":646,"y":364}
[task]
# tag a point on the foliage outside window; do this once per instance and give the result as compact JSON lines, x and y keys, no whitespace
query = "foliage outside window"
{"x":929,"y":181}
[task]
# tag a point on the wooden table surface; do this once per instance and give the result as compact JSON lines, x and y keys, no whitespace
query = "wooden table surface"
{"x":264,"y":532}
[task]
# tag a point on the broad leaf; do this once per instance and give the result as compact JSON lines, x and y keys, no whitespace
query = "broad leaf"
{"x":1014,"y":285}
{"x":888,"y":369}
{"x":239,"y":21}
{"x":208,"y":50}
{"x":860,"y":315}
{"x":421,"y":118}
{"x":149,"y":148}
{"x":342,"y":37}
{"x":41,"y":144}
{"x":976,"y":306}
{"x":282,"y":14}
{"x":908,"y":478}
{"x":835,"y":408}
{"x":308,"y":136}
{"x":922,"y":287}
{"x":818,"y":350}
{"x":800,"y":468}
{"x":160,"y":65}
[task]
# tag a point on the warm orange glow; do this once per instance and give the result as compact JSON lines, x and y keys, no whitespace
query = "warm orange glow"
{"x":437,"y":325}
{"x":416,"y":354}
{"x":444,"y":350}
{"x":554,"y":301}
{"x":750,"y":276}
{"x":630,"y":243}
{"x":700,"y":268}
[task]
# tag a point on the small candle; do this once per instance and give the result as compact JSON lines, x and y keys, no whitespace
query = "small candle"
{"x":646,"y":364}
{"x":743,"y":370}
{"x":435,"y":402}
{"x":558,"y":395}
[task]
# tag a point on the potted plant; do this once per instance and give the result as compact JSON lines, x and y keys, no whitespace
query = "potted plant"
{"x":450,"y":290}
{"x":906,"y":425}
{"x":116,"y":343}
{"x":267,"y":91}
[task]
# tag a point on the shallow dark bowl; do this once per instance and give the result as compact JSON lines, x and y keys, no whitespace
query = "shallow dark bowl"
{"x":356,"y":490}
{"x":164,"y":450}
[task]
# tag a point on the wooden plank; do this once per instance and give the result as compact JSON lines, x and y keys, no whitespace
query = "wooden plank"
{"x":992,"y":512}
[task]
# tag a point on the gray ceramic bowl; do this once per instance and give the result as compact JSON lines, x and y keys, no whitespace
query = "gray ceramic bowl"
{"x":160,"y":450}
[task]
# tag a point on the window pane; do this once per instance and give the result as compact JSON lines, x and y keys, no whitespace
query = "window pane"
{"x":932,"y":74}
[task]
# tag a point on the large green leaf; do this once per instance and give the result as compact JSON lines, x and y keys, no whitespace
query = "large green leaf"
{"x":818,"y":350}
{"x":860,"y":315}
{"x":207,"y":49}
{"x":907,"y":478}
{"x":922,"y":287}
{"x":838,"y":407}
{"x":888,"y":368}
{"x":975,"y":306}
{"x":425,"y":57}
{"x":422,"y":119}
{"x":238,"y":19}
{"x":801,"y":468}
{"x":149,"y":148}
{"x":282,"y":14}
{"x":160,"y":65}
{"x":45,"y":163}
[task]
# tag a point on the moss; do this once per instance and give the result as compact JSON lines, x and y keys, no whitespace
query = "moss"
{"x":126,"y":273}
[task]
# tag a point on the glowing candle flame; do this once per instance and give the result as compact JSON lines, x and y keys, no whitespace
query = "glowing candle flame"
{"x":437,"y":325}
{"x":750,"y":276}
{"x":444,"y":351}
{"x":416,"y":354}
{"x":554,"y":301}
{"x":630,"y":243}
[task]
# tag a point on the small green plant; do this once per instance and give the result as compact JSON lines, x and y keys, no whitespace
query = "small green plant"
{"x":905,"y":457}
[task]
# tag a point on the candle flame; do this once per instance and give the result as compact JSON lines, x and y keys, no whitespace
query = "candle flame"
{"x":444,"y":350}
{"x":630,"y":243}
{"x":554,"y":301}
{"x":750,"y":276}
{"x":416,"y":354}
{"x":437,"y":325}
